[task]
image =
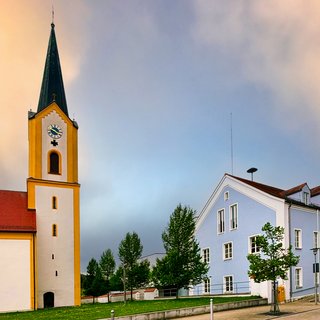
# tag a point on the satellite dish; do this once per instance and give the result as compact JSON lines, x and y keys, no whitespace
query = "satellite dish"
{"x":252,"y":170}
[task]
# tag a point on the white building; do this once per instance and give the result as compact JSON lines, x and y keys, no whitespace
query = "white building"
{"x":234,"y":215}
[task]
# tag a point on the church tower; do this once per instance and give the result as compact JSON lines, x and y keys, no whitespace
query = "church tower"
{"x":54,"y":191}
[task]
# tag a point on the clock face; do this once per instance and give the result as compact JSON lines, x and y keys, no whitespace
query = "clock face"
{"x":54,"y":131}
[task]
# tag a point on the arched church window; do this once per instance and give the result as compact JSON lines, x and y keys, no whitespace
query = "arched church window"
{"x":54,"y":163}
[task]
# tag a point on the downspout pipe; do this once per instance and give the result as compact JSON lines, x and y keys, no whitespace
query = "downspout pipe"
{"x":290,"y":271}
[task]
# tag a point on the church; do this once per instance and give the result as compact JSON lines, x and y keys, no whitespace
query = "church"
{"x":40,"y":228}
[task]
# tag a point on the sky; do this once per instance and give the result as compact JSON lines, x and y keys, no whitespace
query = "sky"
{"x":160,"y":89}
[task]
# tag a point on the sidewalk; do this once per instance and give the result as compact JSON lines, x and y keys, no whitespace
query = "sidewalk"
{"x":303,"y":308}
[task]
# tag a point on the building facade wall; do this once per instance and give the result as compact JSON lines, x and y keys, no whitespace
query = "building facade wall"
{"x":55,"y":253}
{"x":303,"y":222}
{"x":54,"y":118}
{"x":17,"y":272}
{"x":255,"y":208}
{"x":252,"y":215}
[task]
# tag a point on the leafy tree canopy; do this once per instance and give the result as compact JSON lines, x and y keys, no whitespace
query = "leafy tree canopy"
{"x":273,"y":260}
{"x":130,"y":249}
{"x":107,"y":264}
{"x":182,"y":266}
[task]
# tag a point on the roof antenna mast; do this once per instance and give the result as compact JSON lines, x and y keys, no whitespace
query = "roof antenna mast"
{"x":231,"y":142}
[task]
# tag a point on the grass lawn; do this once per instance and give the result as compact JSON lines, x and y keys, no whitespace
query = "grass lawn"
{"x":99,"y":310}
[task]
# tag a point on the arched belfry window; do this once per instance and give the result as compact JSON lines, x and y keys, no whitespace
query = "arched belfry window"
{"x":54,"y":163}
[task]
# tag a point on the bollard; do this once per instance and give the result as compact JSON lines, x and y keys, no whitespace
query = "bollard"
{"x":211,"y":309}
{"x":112,"y":314}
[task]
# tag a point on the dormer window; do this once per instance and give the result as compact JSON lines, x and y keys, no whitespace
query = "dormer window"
{"x":305,"y":197}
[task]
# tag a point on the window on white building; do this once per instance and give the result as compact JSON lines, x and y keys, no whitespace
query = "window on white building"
{"x":206,"y":255}
{"x":226,"y":196}
{"x":233,"y":217}
{"x":253,"y":247}
{"x":298,"y":238}
{"x":305,"y":197}
{"x":298,"y":277}
{"x":228,"y":284}
{"x":227,"y":251}
{"x":206,"y":285}
{"x":220,"y":221}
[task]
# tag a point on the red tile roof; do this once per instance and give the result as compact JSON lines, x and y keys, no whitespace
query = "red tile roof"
{"x":280,"y":193}
{"x":263,"y":187}
{"x":315,"y":191}
{"x":295,"y":189}
{"x":14,"y":212}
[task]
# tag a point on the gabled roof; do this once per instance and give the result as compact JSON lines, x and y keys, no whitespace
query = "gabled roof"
{"x":263,"y":187}
{"x":14,"y":213}
{"x":52,"y":88}
{"x":315,"y":191}
{"x":280,"y":193}
{"x":295,"y":189}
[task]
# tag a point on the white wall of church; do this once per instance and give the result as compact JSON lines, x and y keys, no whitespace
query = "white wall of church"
{"x":54,"y":118}
{"x":15,"y":276}
{"x":55,"y":254}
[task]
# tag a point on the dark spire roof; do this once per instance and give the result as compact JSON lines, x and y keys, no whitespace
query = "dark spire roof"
{"x":52,"y":88}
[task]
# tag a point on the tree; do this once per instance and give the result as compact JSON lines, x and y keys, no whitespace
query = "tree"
{"x":93,"y":284}
{"x":98,"y":286}
{"x":139,"y":275}
{"x":91,"y":273}
{"x":272,"y":261}
{"x":130,"y":250}
{"x":107,"y":266}
{"x":182,"y":265}
{"x":116,"y":282}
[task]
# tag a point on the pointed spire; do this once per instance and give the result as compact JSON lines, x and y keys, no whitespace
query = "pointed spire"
{"x":52,"y":88}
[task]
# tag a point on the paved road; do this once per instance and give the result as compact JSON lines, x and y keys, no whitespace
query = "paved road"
{"x":303,"y":310}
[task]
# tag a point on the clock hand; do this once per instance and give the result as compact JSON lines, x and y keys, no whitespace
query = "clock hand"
{"x":55,"y":130}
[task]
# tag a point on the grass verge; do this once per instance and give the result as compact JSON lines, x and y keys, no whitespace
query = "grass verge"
{"x":100,"y":311}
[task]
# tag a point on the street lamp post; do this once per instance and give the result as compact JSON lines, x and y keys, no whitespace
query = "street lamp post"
{"x":315,"y":271}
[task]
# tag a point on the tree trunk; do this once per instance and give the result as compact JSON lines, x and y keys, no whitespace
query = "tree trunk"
{"x":274,"y":306}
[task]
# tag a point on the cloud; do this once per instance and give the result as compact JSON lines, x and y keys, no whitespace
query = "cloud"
{"x":24,"y":34}
{"x":276,"y":44}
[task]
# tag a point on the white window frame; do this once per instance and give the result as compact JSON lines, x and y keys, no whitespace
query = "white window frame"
{"x":226,"y":196}
{"x":234,"y":221}
{"x":206,"y":255}
{"x":298,"y":282}
{"x":305,"y":197}
{"x":250,"y":247}
{"x":206,"y":285}
{"x":226,"y":252}
{"x":221,"y":223}
{"x":230,"y":284}
{"x":297,"y":238}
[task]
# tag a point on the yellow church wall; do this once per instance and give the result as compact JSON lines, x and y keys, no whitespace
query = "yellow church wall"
{"x":36,"y":141}
{"x":72,"y":154}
